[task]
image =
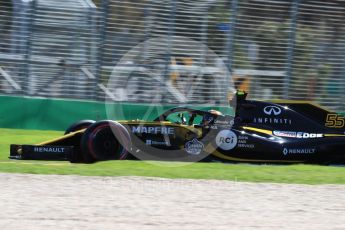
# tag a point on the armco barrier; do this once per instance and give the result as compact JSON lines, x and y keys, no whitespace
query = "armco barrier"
{"x":58,"y":114}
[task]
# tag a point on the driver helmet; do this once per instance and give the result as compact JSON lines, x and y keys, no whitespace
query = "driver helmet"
{"x":215,"y":112}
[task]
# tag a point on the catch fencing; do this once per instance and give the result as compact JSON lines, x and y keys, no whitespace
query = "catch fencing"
{"x":174,"y":51}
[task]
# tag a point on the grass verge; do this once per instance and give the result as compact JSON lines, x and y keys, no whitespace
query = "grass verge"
{"x":301,"y":174}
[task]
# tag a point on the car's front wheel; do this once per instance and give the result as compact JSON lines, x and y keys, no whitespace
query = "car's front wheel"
{"x":105,"y":140}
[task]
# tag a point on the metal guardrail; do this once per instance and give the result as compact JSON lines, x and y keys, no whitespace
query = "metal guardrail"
{"x":283,"y":49}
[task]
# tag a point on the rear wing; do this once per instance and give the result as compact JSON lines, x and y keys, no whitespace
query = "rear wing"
{"x":323,"y":116}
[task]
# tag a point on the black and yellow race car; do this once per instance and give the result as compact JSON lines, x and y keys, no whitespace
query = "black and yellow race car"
{"x":260,"y":131}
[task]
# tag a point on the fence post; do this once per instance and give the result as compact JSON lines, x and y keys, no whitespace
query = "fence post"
{"x":171,"y":33}
{"x":342,"y":83}
{"x":204,"y":35}
{"x":27,"y":85}
{"x":230,"y":38}
{"x":291,"y":47}
{"x":101,"y":40}
{"x":148,"y":24}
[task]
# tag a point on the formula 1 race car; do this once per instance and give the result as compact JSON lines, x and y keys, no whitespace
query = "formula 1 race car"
{"x":263,"y":132}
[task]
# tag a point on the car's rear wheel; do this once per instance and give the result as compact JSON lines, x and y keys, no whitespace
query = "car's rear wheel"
{"x":105,"y":140}
{"x":82,"y":124}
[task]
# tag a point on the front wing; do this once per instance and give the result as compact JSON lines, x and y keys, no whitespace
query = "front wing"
{"x":41,"y":152}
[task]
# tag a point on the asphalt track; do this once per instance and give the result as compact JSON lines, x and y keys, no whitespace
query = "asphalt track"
{"x":78,"y":202}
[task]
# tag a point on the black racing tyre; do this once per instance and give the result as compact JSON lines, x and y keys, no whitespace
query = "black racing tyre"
{"x":105,"y":140}
{"x":82,"y":124}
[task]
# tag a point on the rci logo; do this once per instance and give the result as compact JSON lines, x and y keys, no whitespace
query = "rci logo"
{"x":226,"y":139}
{"x":272,"y":110}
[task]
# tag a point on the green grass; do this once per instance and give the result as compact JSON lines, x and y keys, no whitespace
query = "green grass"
{"x":303,"y":174}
